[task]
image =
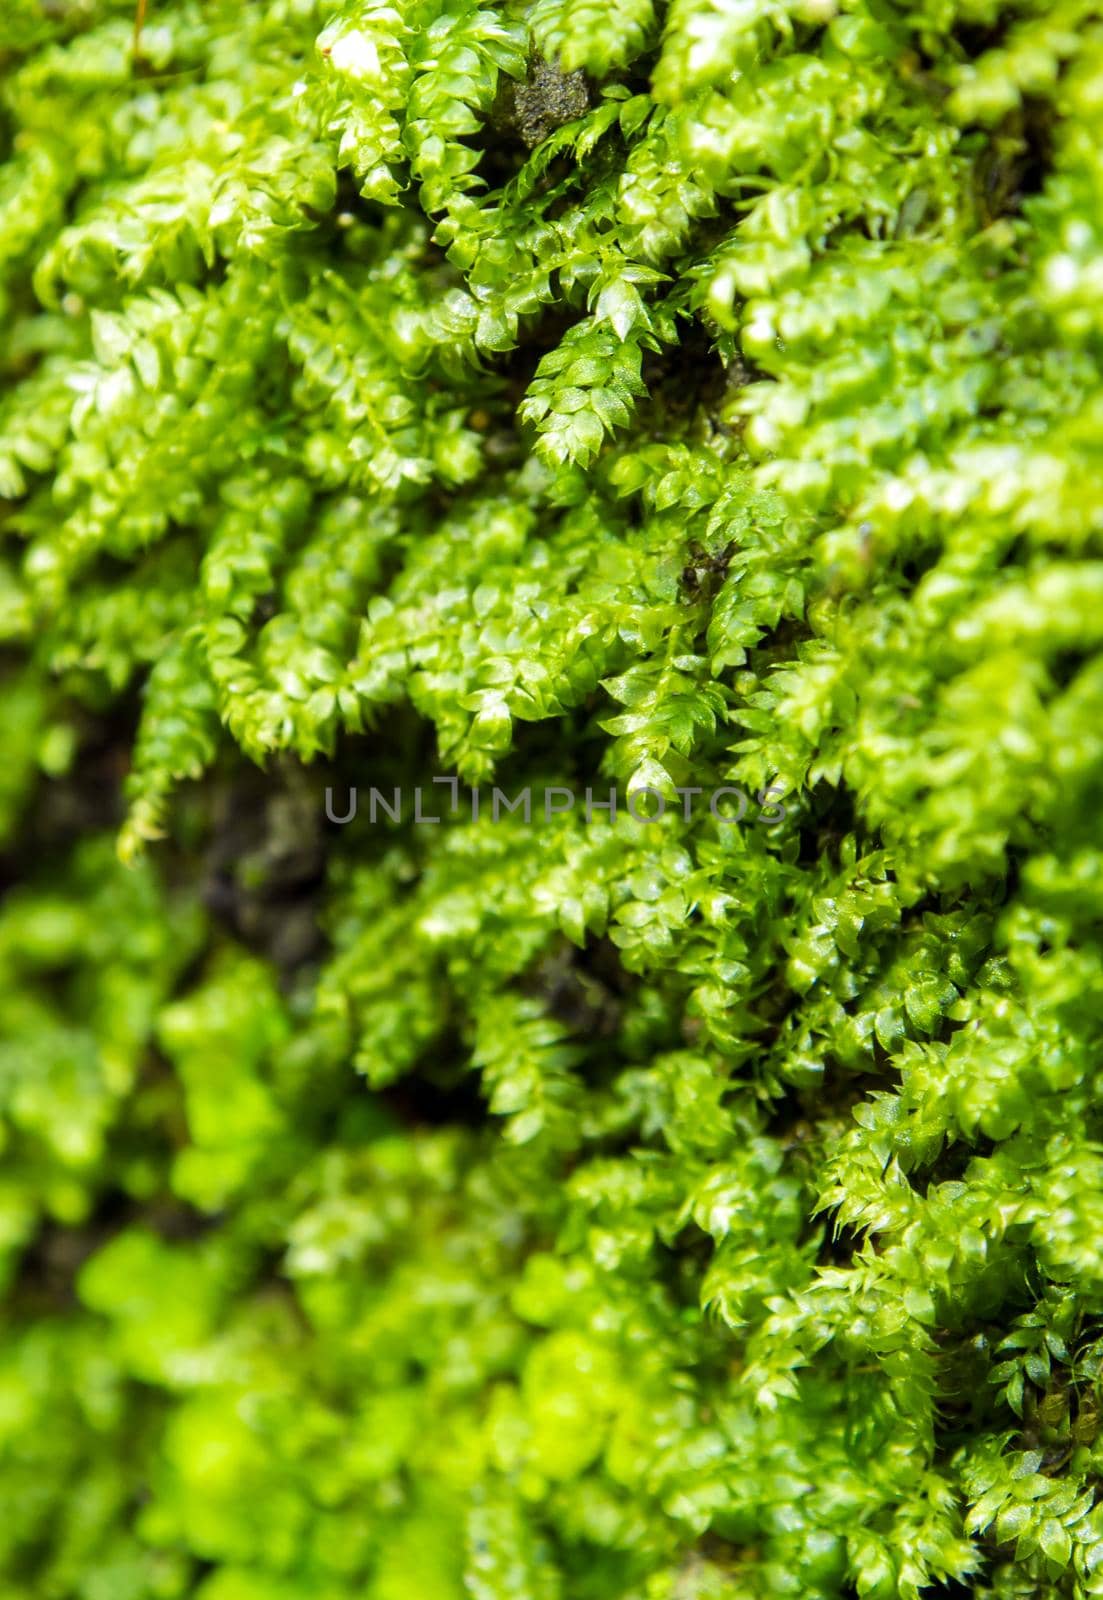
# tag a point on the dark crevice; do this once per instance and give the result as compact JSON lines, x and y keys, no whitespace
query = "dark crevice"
{"x":52,"y":1262}
{"x":681,"y":1267}
{"x":442,"y":1090}
{"x":582,"y":989}
{"x":537,"y":336}
{"x":951,"y":1164}
{"x":686,"y":380}
{"x":829,"y":818}
{"x":265,"y":863}
{"x":840,"y":1246}
{"x":1015,"y":161}
{"x":86,"y":800}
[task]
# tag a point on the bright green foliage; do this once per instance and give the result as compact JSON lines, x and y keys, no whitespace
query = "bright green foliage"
{"x":551,"y":395}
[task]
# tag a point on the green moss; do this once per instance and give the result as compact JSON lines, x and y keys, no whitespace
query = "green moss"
{"x":568,"y":1209}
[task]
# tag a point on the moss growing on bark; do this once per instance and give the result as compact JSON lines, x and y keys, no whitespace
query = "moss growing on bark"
{"x":580,"y":1206}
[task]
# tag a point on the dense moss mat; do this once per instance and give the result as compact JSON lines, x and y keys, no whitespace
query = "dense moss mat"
{"x":566,"y":1209}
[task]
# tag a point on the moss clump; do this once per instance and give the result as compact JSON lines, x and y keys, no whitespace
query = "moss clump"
{"x":581,"y":1208}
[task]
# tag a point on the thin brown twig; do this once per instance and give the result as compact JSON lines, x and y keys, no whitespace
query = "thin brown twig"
{"x":139,"y":23}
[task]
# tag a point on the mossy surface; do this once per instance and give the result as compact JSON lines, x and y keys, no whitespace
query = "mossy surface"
{"x":581,"y":397}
